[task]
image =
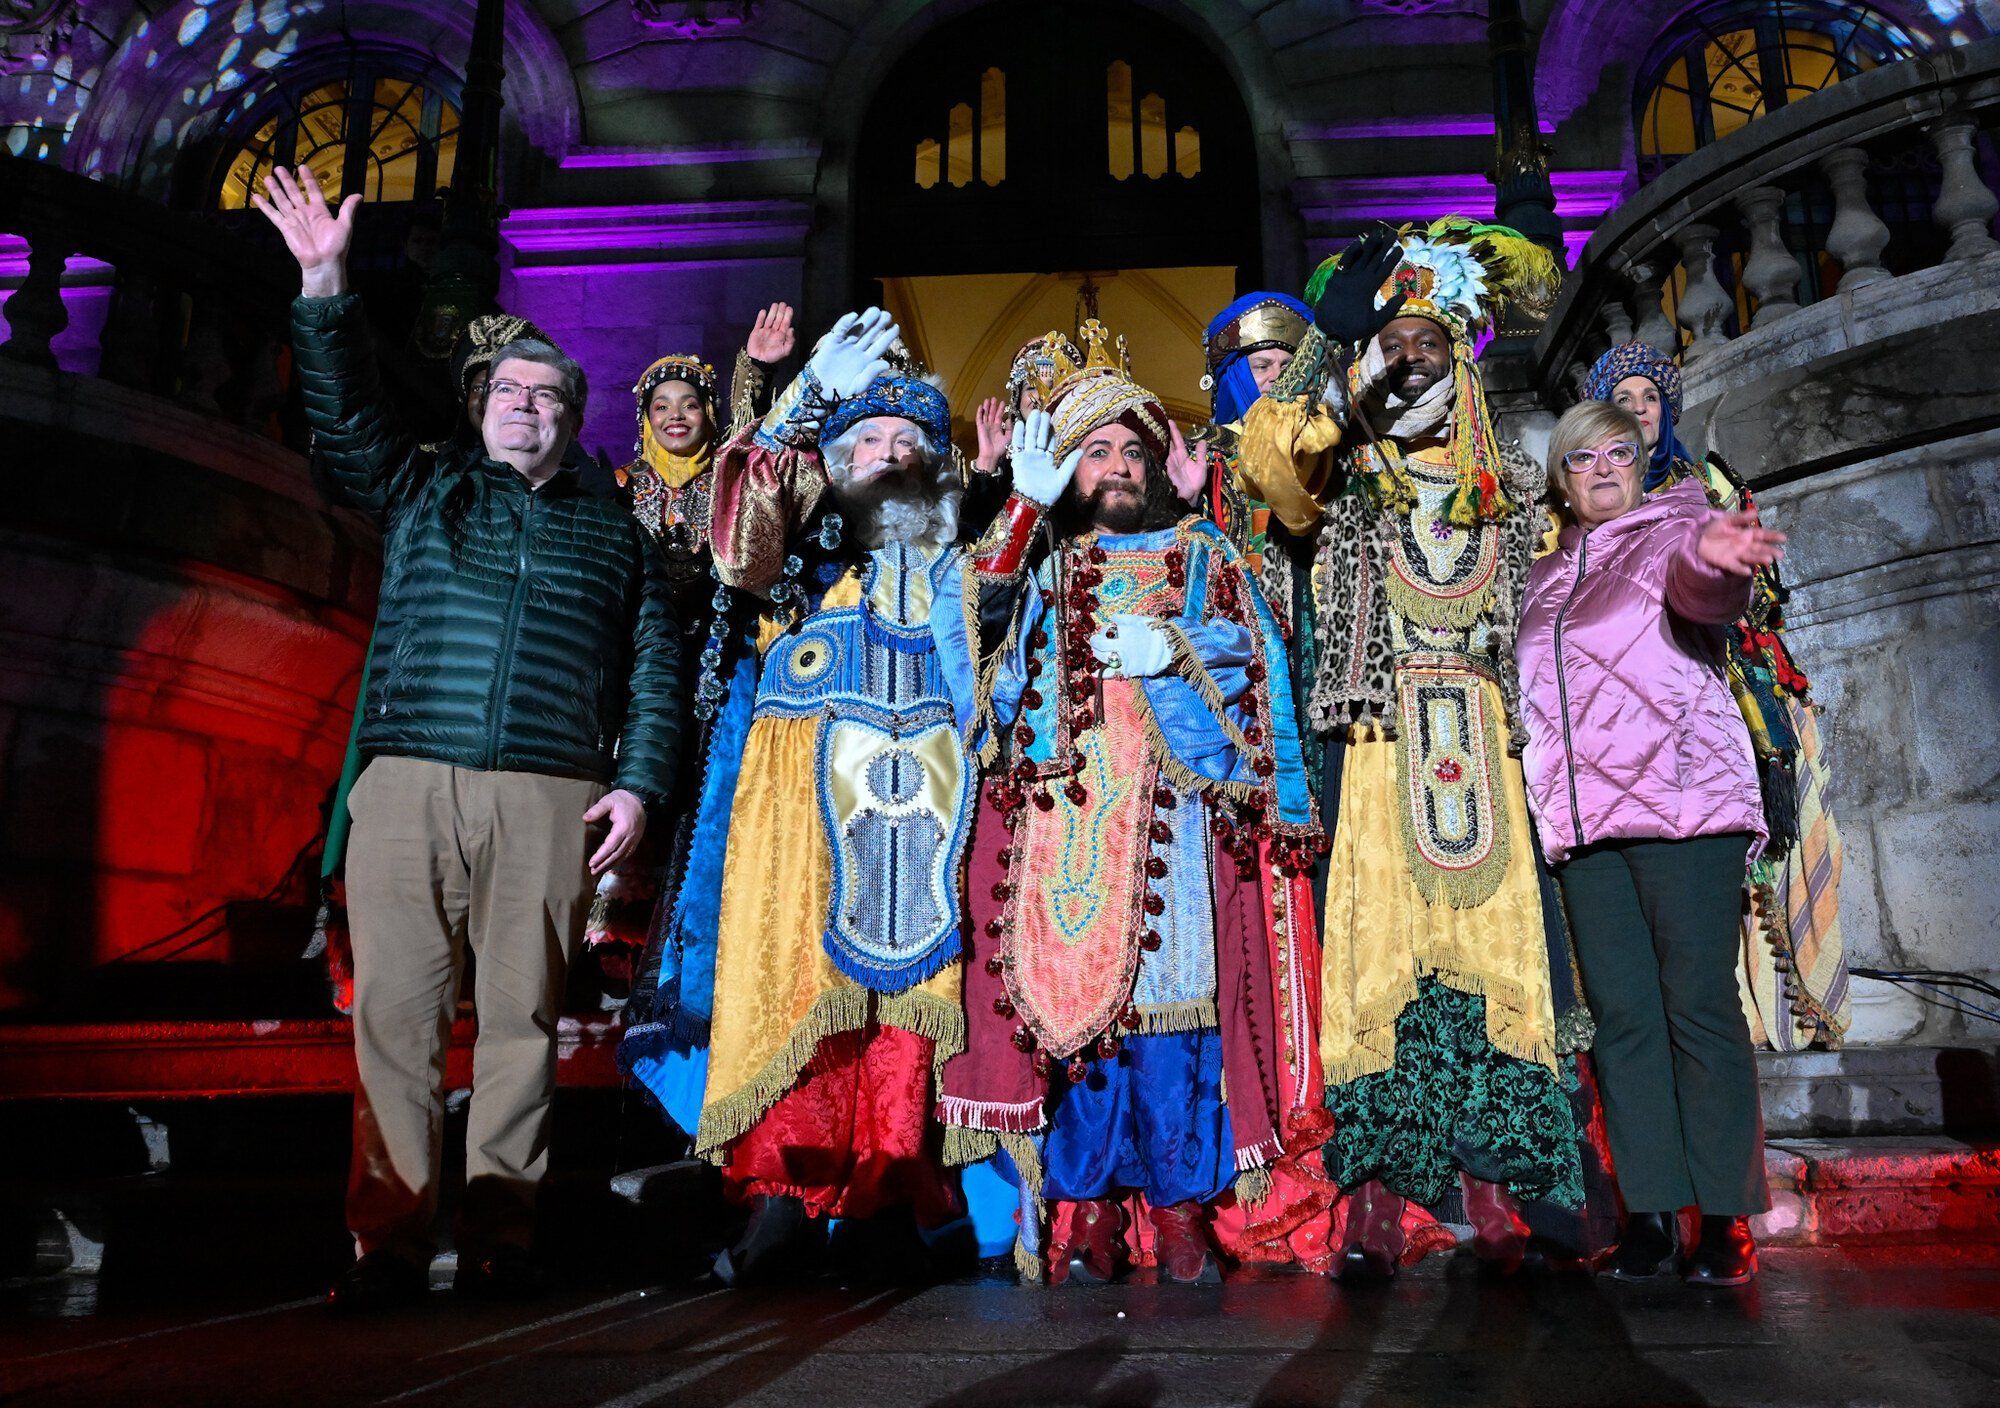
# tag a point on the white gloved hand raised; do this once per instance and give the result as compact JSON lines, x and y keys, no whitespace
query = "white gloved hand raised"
{"x":850,"y":358}
{"x":1133,"y":646}
{"x":1036,"y":474}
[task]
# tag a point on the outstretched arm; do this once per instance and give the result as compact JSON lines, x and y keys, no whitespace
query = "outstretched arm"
{"x":1708,"y":577}
{"x":368,"y":457}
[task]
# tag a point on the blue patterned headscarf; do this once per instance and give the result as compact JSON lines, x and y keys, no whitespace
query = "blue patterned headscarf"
{"x":1252,"y":323}
{"x":1642,"y":359}
{"x":911,"y":398}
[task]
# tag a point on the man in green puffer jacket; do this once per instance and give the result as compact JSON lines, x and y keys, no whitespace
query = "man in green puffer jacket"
{"x":523,"y":691}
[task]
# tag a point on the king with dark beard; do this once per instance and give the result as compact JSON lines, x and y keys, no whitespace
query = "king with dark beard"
{"x":1142,"y":931}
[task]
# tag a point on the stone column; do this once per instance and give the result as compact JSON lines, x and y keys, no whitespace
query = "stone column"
{"x":1858,"y":235}
{"x":1771,"y":273}
{"x":1649,"y":306}
{"x":35,"y":314}
{"x":1617,"y":321}
{"x":1964,"y":206}
{"x":1704,"y":303}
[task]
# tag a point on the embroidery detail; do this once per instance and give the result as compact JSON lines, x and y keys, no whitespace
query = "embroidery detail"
{"x":1441,"y":575}
{"x":1446,"y":745}
{"x":1077,"y":880}
{"x":897,"y":810}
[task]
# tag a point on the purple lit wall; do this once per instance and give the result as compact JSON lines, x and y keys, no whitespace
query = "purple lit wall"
{"x":619,"y":286}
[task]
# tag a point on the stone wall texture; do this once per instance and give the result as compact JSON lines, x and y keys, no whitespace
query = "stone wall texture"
{"x":181,"y":633}
{"x":1869,"y":426}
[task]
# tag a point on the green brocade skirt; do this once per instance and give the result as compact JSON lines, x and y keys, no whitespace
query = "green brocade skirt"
{"x":1452,"y":1102}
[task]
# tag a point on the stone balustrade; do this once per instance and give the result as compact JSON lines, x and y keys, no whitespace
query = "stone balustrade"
{"x":187,"y":306}
{"x":1660,"y":248}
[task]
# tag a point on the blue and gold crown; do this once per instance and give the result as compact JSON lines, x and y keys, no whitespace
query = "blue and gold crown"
{"x":909,"y":396}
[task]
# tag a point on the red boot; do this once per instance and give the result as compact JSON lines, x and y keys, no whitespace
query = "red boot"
{"x":1094,"y":1252}
{"x":1373,"y":1246}
{"x":1499,"y":1236}
{"x":1180,"y":1245}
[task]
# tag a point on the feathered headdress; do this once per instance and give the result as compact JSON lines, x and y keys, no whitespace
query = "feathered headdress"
{"x":1460,"y":273}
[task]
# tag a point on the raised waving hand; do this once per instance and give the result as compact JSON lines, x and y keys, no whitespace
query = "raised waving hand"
{"x":317,"y":236}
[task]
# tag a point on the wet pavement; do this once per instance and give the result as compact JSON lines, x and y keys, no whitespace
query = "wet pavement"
{"x":1820,"y":1328}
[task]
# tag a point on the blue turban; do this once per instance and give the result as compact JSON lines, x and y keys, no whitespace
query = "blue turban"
{"x":1642,"y":359}
{"x":1252,"y":323}
{"x":907,"y":397}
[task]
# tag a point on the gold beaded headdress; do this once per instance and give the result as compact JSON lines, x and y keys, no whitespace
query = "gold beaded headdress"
{"x":1099,"y":390}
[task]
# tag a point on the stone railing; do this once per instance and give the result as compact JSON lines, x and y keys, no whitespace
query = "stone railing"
{"x":1661,"y":246}
{"x":184,"y":307}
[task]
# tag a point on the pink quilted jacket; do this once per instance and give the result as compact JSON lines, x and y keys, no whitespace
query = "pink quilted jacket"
{"x":1632,"y":729}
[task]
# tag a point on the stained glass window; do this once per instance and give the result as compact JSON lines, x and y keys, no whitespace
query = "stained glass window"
{"x":390,"y":138}
{"x":1725,"y":64}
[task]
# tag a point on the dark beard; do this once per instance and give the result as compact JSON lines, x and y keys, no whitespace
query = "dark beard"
{"x":1158,"y":507}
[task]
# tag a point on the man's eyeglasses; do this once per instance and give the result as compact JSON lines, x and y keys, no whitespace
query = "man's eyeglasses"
{"x":546,"y":398}
{"x":1622,"y":455}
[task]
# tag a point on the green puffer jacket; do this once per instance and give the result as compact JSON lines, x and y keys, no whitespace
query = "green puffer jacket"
{"x":520,"y":630}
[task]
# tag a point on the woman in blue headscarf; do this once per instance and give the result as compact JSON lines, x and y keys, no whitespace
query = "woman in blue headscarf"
{"x":1794,"y":965}
{"x":1639,"y":378}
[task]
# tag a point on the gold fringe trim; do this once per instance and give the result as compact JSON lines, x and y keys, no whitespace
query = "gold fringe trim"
{"x":1169,"y":1017}
{"x":1454,"y":613}
{"x":1028,"y":1265}
{"x":964,"y":1146}
{"x":1196,"y":674}
{"x":1177,"y":772}
{"x":843,"y":1009}
{"x":1253,"y":1187}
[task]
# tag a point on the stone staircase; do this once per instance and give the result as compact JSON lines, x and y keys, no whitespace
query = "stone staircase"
{"x":1883,"y":1145}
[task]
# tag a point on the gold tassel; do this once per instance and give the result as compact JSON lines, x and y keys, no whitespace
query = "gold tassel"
{"x":1253,"y":1187}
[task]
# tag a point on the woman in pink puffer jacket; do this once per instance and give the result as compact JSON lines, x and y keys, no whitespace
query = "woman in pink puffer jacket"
{"x":1645,"y":795}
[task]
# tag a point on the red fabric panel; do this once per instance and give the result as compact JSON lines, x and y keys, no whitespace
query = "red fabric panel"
{"x":853,"y":1136}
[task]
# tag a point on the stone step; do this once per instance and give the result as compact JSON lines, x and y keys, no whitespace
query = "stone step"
{"x":1870,"y":1090}
{"x":1879,"y":1190}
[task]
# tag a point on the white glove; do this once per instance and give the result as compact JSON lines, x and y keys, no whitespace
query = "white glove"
{"x":849,"y":359}
{"x":1133,"y":646}
{"x":1036,"y":474}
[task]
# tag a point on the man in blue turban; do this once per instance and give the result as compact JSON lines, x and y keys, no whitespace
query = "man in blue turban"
{"x":1248,"y":345}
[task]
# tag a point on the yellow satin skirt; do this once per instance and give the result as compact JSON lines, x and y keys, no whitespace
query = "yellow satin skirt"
{"x":1381,"y":935}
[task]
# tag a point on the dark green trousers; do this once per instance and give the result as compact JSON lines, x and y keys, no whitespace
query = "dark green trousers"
{"x":1657,"y":927}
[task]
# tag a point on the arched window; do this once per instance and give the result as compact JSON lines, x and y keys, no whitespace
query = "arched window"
{"x":1727,"y":63}
{"x":373,"y":129}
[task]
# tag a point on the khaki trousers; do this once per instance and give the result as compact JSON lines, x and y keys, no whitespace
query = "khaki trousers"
{"x":441,"y":856}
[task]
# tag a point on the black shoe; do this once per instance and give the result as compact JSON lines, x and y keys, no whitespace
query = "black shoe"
{"x":1648,"y":1248}
{"x":379,"y":1281}
{"x":504,"y":1273}
{"x":782,"y":1242}
{"x":1726,"y":1254}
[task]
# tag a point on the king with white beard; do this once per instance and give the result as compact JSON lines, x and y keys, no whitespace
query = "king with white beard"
{"x":841,"y":784}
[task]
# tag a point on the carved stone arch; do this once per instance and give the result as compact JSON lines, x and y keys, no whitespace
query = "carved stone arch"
{"x":895,"y":27}
{"x":182,"y":75}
